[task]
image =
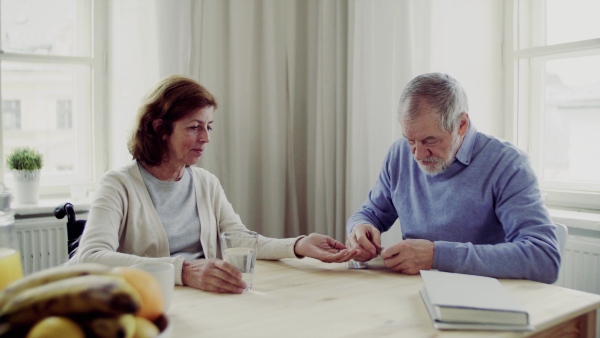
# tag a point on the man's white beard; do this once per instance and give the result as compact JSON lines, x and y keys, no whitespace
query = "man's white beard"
{"x":440,"y":164}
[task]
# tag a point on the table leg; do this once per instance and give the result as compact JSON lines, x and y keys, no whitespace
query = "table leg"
{"x":583,"y":326}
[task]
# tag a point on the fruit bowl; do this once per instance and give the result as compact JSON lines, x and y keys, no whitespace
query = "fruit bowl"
{"x":86,"y":299}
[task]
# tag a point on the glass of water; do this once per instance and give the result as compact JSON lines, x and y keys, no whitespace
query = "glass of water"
{"x":239,"y":249}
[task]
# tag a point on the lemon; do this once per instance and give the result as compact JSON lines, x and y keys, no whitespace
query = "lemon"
{"x":56,"y":327}
{"x":144,"y":328}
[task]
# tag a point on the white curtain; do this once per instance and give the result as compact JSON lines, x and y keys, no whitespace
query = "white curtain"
{"x":278,"y":69}
{"x":307,"y":90}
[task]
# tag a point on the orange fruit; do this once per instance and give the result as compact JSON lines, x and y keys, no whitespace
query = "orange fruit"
{"x":148,"y":288}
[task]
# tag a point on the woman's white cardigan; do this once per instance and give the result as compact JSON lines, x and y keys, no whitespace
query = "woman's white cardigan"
{"x":123,"y":227}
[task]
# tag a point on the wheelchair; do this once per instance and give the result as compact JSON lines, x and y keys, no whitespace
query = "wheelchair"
{"x":74,"y":227}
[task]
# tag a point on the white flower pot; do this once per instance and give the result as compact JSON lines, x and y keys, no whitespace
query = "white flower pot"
{"x":27,"y":186}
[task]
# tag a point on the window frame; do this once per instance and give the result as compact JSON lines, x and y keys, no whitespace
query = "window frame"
{"x":520,"y":70}
{"x":98,"y":99}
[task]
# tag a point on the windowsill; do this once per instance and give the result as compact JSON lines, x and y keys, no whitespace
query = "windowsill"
{"x":581,"y":222}
{"x":45,"y":207}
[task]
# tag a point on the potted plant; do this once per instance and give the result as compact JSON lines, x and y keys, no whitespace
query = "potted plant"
{"x":26,"y":164}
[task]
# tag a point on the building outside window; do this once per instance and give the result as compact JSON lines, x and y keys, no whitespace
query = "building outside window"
{"x":11,"y":114}
{"x":64,"y":117}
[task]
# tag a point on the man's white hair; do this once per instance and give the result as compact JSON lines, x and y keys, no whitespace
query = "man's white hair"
{"x":441,"y":92}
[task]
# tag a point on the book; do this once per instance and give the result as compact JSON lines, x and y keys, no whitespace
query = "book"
{"x":468,"y":302}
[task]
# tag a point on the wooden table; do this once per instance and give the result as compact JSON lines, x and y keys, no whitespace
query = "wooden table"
{"x":307,"y":298}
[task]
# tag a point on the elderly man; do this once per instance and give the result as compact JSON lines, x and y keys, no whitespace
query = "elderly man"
{"x":467,"y":202}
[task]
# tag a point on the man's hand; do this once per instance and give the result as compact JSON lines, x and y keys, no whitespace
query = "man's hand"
{"x":213,"y":275}
{"x":323,"y":248}
{"x":367,"y":239}
{"x":409,"y":256}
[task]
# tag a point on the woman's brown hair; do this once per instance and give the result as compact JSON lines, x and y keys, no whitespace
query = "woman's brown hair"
{"x":172,"y":99}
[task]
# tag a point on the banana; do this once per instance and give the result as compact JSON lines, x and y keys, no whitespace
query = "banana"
{"x":48,"y":276}
{"x":145,"y":328}
{"x":122,"y":326}
{"x":109,"y":295}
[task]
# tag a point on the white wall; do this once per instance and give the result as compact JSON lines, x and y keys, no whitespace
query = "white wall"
{"x":467,"y":44}
{"x":132,"y":69}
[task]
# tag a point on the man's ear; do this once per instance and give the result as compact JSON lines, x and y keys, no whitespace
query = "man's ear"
{"x":463,"y":125}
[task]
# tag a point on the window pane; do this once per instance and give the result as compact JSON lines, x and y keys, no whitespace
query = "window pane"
{"x":572,"y":20}
{"x":50,"y":97}
{"x":11,"y":114}
{"x":63,"y":114}
{"x":572,"y":120}
{"x":57,"y":27}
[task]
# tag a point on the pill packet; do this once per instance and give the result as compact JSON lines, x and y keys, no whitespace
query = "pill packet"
{"x":352,"y":264}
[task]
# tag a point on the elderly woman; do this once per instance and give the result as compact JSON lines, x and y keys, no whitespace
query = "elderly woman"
{"x":161,"y":207}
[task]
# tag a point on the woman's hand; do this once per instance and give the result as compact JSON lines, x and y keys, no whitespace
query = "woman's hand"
{"x":213,"y":275}
{"x":324,"y":248}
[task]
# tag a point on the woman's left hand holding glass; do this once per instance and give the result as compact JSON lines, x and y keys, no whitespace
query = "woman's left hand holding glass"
{"x":213,"y":275}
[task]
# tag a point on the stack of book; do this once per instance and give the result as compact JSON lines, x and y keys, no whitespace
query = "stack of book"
{"x":466,"y":302}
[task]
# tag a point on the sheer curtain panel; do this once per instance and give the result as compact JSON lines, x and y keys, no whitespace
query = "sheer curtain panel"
{"x":278,"y":69}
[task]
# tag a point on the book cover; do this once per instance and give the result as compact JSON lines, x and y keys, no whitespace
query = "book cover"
{"x":459,"y":301}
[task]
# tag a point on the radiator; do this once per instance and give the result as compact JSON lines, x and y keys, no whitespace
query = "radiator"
{"x":43,"y":242}
{"x":580,"y":268}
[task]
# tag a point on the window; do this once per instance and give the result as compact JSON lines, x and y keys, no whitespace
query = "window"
{"x":554,"y":87}
{"x":11,"y":115}
{"x":51,"y":65}
{"x":63,"y":114}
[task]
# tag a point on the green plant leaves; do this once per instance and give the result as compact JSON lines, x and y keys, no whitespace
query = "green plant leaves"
{"x":25,"y":158}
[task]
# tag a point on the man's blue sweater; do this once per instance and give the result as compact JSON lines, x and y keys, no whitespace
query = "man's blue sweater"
{"x":485,"y":213}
